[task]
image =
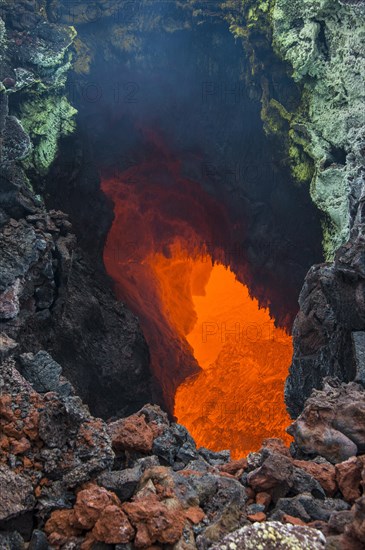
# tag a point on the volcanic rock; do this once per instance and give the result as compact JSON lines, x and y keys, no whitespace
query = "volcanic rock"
{"x":38,"y":541}
{"x":90,"y":503}
{"x":16,"y":494}
{"x":274,"y":476}
{"x":123,"y":483}
{"x":61,"y":526}
{"x":272,"y":535}
{"x":308,"y":508}
{"x":9,"y":301}
{"x":175,"y":447}
{"x":12,"y":541}
{"x":112,"y":526}
{"x":339,"y":520}
{"x":132,"y":433}
{"x":215,"y":458}
{"x":349,"y":477}
{"x":44,"y":373}
{"x":332,"y":424}
{"x":355,"y":530}
{"x":328,"y":330}
{"x":7,"y":345}
{"x":302,"y":482}
{"x":324,"y":473}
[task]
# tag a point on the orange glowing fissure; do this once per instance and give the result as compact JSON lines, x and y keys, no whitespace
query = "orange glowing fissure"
{"x":237,"y":398}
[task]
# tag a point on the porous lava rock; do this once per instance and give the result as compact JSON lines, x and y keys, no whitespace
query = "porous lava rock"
{"x":332,"y":423}
{"x":272,"y":535}
{"x":328,"y":332}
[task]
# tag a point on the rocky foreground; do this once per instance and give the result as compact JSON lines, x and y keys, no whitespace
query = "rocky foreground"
{"x":72,"y":481}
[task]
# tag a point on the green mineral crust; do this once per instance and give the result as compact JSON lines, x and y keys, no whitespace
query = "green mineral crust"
{"x":38,"y":98}
{"x":322,"y":42}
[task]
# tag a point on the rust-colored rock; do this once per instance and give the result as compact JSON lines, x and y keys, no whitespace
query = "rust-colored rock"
{"x":356,"y":529}
{"x":113,"y":526}
{"x":90,"y":504}
{"x":275,"y":471}
{"x":20,"y":447}
{"x":332,"y":423}
{"x":264,"y":499}
{"x":6,"y":411}
{"x":348,"y":476}
{"x":259,"y":516}
{"x":61,"y":526}
{"x":234,"y":466}
{"x":154,"y":521}
{"x":194,"y":514}
{"x":324,"y":473}
{"x":132,"y":433}
{"x":292,"y":520}
{"x":276,"y":445}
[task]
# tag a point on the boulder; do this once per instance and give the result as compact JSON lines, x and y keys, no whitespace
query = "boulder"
{"x":308,"y":508}
{"x":323,"y":472}
{"x":272,"y":535}
{"x":349,"y":478}
{"x":274,"y":476}
{"x":356,"y":529}
{"x":132,"y":433}
{"x":44,"y":373}
{"x":332,"y":423}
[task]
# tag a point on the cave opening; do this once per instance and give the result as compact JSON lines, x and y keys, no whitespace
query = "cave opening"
{"x":194,"y":214}
{"x":219,"y":362}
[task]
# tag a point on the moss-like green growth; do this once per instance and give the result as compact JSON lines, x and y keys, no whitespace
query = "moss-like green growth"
{"x":281,"y":108}
{"x":46,"y":119}
{"x":41,"y":105}
{"x":325,"y":60}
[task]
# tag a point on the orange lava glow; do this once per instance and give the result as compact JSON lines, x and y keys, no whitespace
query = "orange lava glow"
{"x":218,"y":360}
{"x":236,"y":401}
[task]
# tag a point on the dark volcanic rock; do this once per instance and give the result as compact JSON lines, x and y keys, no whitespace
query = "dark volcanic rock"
{"x":123,"y":483}
{"x":11,"y":541}
{"x":339,"y":520}
{"x":44,"y":373}
{"x":308,"y":508}
{"x":332,"y":424}
{"x":16,"y":494}
{"x":175,"y":447}
{"x":111,"y":372}
{"x":328,"y":330}
{"x":38,"y":541}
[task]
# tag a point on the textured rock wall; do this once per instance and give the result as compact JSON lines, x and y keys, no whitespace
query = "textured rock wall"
{"x":41,"y":59}
{"x":322,"y":43}
{"x":50,"y":296}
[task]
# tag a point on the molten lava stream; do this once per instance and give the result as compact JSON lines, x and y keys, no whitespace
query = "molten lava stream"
{"x":238,"y":398}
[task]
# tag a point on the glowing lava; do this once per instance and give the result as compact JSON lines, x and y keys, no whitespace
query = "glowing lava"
{"x":193,"y":311}
{"x":237,"y":399}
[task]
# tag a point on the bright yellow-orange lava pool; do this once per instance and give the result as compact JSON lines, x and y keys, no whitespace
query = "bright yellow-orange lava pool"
{"x":238,"y":398}
{"x":190,"y":306}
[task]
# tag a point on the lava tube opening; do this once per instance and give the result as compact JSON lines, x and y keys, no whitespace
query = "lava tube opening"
{"x":218,"y":359}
